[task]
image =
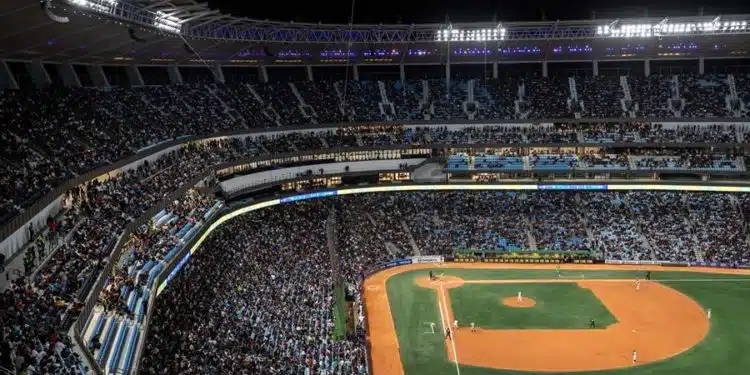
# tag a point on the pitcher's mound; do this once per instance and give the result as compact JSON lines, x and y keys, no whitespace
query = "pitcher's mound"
{"x":513,"y":302}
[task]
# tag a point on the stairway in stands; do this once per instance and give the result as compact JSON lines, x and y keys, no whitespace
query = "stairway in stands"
{"x":307,"y":111}
{"x":627,"y":101}
{"x":412,"y":242}
{"x":574,"y":105}
{"x":530,"y":234}
{"x":644,"y":240}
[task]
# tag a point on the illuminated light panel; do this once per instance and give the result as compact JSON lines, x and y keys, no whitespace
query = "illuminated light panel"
{"x":101,"y":6}
{"x":646,"y":30}
{"x":381,"y":53}
{"x":450,"y":34}
{"x":168,"y":23}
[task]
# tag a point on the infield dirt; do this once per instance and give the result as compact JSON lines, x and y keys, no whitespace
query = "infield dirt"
{"x":656,"y":320}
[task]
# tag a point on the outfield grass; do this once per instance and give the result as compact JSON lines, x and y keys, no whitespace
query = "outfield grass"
{"x":725,"y":351}
{"x":558,"y":306}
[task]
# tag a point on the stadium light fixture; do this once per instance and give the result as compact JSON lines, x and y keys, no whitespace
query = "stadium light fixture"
{"x":665,"y":28}
{"x":167,"y":22}
{"x":100,"y":6}
{"x":449,"y":34}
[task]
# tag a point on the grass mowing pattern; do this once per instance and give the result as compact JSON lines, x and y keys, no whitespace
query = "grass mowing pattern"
{"x":723,"y":352}
{"x":558,"y":306}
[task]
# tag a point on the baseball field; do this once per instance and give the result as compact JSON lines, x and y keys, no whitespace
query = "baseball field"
{"x":587,"y":318}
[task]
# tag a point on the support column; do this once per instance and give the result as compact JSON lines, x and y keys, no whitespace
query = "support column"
{"x":448,"y":76}
{"x":263,"y":74}
{"x":97,"y":75}
{"x":134,"y":76}
{"x":175,"y":77}
{"x":38,"y":74}
{"x":69,"y":75}
{"x":701,"y":65}
{"x":218,"y":73}
{"x":595,"y":65}
{"x":309,"y":73}
{"x":355,"y":72}
{"x":7,"y":81}
{"x":402,"y":72}
{"x":494,"y":69}
{"x":647,"y":67}
{"x":544,"y":69}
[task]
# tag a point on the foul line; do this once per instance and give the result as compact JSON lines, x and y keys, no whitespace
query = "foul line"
{"x":572,"y":280}
{"x":443,"y":301}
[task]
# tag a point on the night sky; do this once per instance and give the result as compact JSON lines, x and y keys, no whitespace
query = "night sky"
{"x":435,"y":11}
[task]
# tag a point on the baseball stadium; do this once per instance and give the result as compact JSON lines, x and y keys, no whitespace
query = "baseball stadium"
{"x":361,"y":188}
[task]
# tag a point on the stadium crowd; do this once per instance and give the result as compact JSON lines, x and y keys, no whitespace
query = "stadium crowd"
{"x":267,"y":308}
{"x":50,"y":136}
{"x":261,"y":288}
{"x":34,"y":170}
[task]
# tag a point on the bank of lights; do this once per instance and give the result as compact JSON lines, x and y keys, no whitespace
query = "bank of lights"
{"x":669,"y":29}
{"x":167,"y":22}
{"x":101,"y":6}
{"x":471,"y":35}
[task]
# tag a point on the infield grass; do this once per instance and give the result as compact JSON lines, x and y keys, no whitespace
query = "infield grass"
{"x":558,"y":306}
{"x":723,"y":352}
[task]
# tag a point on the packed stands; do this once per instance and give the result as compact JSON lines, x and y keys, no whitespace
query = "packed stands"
{"x":322,"y":98}
{"x":547,"y":97}
{"x":266,"y":312}
{"x":705,"y":95}
{"x":496,"y":98}
{"x":600,"y":96}
{"x":280,"y":98}
{"x":652,"y":94}
{"x":448,"y":101}
{"x":406,"y":97}
{"x":362,"y":99}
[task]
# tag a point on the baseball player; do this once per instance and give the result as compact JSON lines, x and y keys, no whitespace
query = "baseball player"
{"x":473,"y":329}
{"x":637,"y":284}
{"x":709,"y":314}
{"x":592,"y":323}
{"x":520,"y":298}
{"x":432,"y":327}
{"x":455,"y":324}
{"x":448,"y":333}
{"x":635,"y":356}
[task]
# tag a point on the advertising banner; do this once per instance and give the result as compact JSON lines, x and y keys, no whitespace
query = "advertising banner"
{"x":427,"y":259}
{"x":678,"y":264}
{"x":302,"y":197}
{"x":399,"y":262}
{"x":635,"y":262}
{"x":571,"y":187}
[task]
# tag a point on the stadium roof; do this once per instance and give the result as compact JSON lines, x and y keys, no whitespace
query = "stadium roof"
{"x":184,"y":31}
